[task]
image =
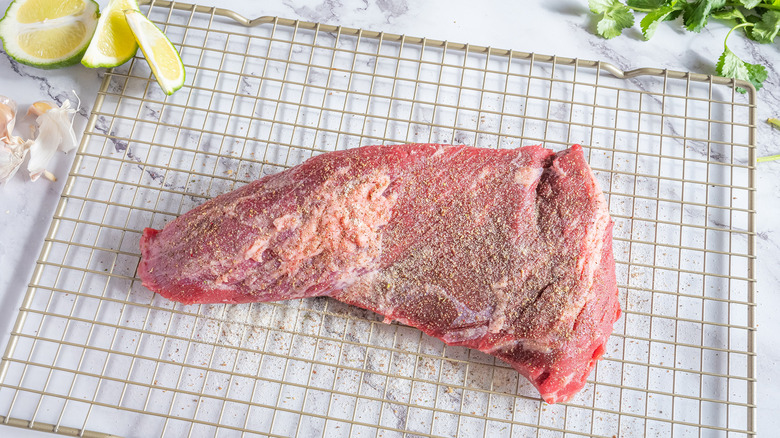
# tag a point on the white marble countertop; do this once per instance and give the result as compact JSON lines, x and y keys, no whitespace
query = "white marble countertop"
{"x":563,"y":28}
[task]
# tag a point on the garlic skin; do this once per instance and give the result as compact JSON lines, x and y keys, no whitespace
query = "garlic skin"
{"x":43,"y":148}
{"x":55,"y":131}
{"x":11,"y":160}
{"x":12,"y":149}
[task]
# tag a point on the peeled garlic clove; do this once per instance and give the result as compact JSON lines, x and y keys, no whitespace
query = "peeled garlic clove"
{"x":40,"y":107}
{"x":7,"y":118}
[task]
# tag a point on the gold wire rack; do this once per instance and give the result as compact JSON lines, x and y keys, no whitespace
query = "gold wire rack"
{"x":94,"y":353}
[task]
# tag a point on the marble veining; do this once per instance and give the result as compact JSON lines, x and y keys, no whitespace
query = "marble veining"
{"x":564,"y":28}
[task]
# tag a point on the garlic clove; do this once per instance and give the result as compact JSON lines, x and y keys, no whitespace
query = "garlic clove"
{"x":55,"y":131}
{"x":12,"y":149}
{"x":50,"y":176}
{"x":7,"y":118}
{"x":59,"y":116}
{"x":40,"y":107}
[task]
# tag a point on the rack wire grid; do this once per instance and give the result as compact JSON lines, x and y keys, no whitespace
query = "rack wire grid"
{"x":93,"y":352}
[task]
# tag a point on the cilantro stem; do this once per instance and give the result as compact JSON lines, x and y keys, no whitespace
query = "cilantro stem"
{"x":725,"y":40}
{"x":776,"y":123}
{"x":634,"y":8}
{"x":769,"y":158}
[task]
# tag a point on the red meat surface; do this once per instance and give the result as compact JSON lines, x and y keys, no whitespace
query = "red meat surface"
{"x":505,"y":251}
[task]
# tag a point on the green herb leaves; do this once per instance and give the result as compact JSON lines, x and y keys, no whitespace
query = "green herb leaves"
{"x":645,"y":4}
{"x":750,"y":4}
{"x":765,"y":30}
{"x":615,"y":17}
{"x":759,"y":18}
{"x":666,"y":12}
{"x":731,"y":66}
{"x":695,"y":14}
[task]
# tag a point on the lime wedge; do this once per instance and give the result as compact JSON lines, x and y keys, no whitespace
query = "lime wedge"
{"x":48,"y":33}
{"x":159,"y":52}
{"x":113,"y":43}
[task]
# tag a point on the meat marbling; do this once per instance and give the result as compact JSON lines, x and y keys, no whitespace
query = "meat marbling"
{"x":505,"y":251}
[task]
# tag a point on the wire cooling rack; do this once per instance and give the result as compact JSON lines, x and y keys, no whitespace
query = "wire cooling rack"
{"x":93,"y":352}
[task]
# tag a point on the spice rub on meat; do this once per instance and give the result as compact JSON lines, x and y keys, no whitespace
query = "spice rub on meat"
{"x":505,"y":251}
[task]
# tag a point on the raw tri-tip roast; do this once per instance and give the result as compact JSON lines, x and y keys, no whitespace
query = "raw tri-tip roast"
{"x":505,"y":251}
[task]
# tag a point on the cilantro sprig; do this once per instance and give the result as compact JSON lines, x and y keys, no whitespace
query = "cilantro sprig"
{"x":758,"y":19}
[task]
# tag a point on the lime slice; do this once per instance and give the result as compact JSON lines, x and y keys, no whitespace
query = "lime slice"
{"x":48,"y":33}
{"x":159,"y":52}
{"x":113,"y":43}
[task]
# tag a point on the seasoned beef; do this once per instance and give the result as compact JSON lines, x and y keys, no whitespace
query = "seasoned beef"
{"x":505,"y":251}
